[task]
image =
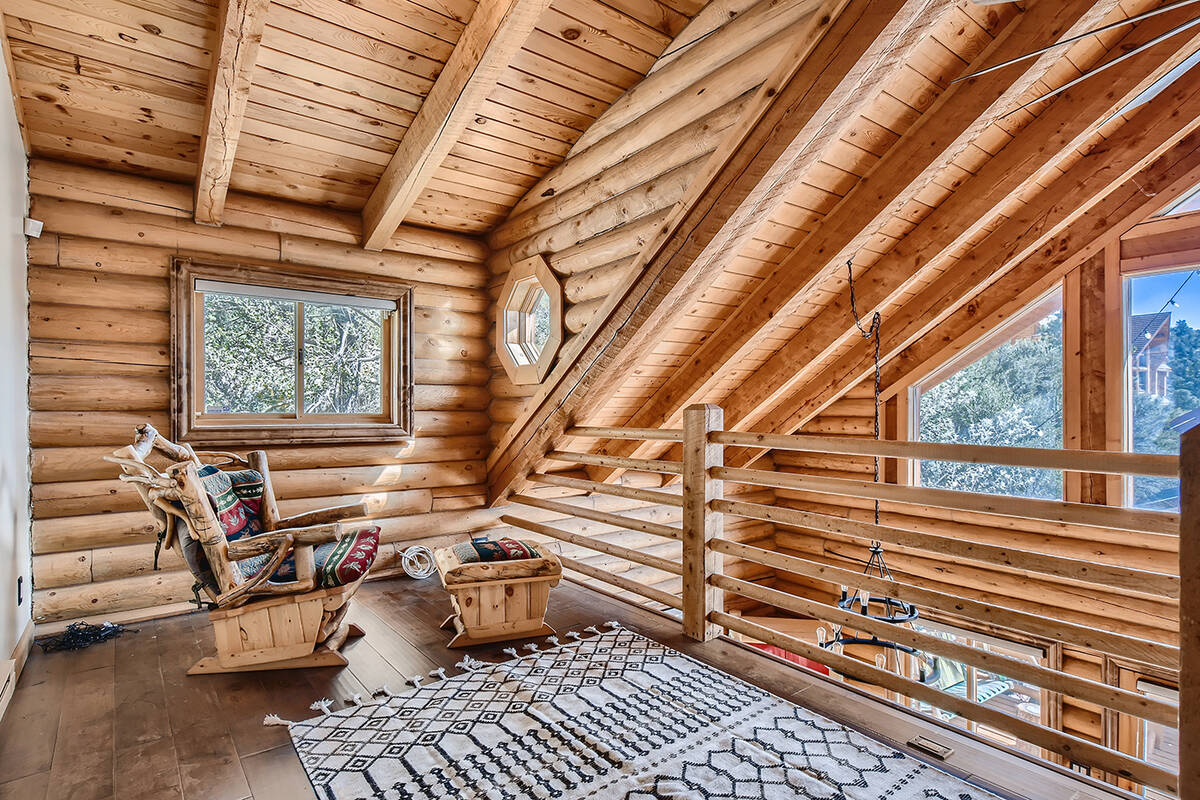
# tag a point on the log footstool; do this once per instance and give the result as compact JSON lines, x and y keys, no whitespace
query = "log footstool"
{"x":501,"y":599}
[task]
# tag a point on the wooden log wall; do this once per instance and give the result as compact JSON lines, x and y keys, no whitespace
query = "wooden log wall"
{"x":591,"y":215}
{"x":739,"y":530}
{"x":98,"y":289}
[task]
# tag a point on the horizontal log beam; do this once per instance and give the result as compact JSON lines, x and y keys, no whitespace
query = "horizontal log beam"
{"x":1165,"y":466}
{"x":1157,"y":653}
{"x":1020,"y":507}
{"x":1123,"y":700}
{"x":1106,"y":575}
{"x":620,"y":521}
{"x":611,"y":489}
{"x":639,"y":464}
{"x":1070,"y":747}
{"x":599,"y":545}
{"x":648,"y":592}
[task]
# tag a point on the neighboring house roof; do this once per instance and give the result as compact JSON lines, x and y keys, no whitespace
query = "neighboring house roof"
{"x":1141,"y":324}
{"x":1185,"y":422}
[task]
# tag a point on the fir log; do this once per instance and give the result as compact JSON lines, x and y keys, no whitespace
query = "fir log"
{"x":134,"y":193}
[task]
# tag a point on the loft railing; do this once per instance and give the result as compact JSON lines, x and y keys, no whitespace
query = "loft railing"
{"x":706,"y":512}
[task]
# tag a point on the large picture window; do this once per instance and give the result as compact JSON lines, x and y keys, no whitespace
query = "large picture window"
{"x":1007,"y":391}
{"x":262,"y":355}
{"x":1162,"y":368}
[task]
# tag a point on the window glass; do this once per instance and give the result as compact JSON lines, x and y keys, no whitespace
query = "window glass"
{"x":1160,"y":746}
{"x":1162,"y":355}
{"x":1005,"y":391}
{"x":1013,"y":697}
{"x":1185,"y":205}
{"x":540,"y":315}
{"x":343,"y":359}
{"x":249,"y":355}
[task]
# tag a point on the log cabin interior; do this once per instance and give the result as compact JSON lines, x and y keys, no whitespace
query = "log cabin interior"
{"x":600,"y":398}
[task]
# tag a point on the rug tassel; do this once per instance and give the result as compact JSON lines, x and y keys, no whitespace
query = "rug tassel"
{"x":532,"y":647}
{"x":612,"y":623}
{"x":323,"y":705}
{"x":355,"y":699}
{"x":512,"y":651}
{"x":415,"y":680}
{"x":593,"y":629}
{"x":469,"y":664}
{"x":440,"y":672}
{"x":553,"y":641}
{"x":275,"y":719}
{"x":575,"y":635}
{"x":384,"y":690}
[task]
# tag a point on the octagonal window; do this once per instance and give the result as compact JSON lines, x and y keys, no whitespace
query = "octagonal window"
{"x":530,"y":321}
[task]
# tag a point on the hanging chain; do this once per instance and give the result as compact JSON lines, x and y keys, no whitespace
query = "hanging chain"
{"x":870,"y":332}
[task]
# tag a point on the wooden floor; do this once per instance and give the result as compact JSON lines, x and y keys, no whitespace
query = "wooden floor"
{"x":121,"y":719}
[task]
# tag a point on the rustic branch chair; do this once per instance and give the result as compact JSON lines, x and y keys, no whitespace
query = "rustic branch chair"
{"x":280,"y":587}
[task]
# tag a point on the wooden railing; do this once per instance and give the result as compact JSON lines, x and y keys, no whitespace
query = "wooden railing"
{"x":705,"y":547}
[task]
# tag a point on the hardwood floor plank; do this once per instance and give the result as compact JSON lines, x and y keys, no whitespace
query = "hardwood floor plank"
{"x":278,"y":775}
{"x":83,"y":750}
{"x":208,"y":762}
{"x":148,"y":771}
{"x":124,"y":720}
{"x":31,"y":787}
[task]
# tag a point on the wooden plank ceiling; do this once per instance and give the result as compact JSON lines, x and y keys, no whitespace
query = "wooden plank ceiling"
{"x":699,"y":173}
{"x":333,"y":89}
{"x":933,"y":189}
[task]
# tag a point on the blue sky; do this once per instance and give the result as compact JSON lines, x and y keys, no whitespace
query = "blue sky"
{"x":1148,"y":294}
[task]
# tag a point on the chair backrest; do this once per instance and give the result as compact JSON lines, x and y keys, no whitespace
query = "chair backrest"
{"x":178,"y":499}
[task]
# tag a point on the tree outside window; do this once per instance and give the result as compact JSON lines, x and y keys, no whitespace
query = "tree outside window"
{"x":1005,"y":391}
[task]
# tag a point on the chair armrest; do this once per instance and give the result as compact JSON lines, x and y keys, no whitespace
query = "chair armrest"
{"x":325,"y":515}
{"x":253,"y":546}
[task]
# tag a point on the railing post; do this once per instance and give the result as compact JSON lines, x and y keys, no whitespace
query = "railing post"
{"x":700,"y":523}
{"x":1189,"y":616}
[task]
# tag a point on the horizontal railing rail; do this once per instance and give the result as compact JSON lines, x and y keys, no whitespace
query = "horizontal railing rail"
{"x":1042,"y":546}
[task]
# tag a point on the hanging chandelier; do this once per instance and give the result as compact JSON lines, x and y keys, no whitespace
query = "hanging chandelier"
{"x":882,"y":608}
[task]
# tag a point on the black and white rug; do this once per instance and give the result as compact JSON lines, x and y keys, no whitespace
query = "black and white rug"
{"x":611,"y":716}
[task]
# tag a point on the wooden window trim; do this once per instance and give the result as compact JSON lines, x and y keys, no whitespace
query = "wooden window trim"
{"x":190,"y":425}
{"x":512,"y":317}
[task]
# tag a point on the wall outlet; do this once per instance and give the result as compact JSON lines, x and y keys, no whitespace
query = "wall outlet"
{"x":33,"y":227}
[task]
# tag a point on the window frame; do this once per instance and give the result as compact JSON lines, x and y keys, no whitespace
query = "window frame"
{"x":514,"y":317}
{"x":192,"y":425}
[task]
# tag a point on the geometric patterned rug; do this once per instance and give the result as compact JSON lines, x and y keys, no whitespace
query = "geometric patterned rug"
{"x":611,"y":716}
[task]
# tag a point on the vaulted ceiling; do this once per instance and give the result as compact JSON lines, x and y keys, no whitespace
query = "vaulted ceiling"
{"x":333,"y":89}
{"x":700,"y":175}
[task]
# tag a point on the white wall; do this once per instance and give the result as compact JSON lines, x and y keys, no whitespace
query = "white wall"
{"x":14,"y":380}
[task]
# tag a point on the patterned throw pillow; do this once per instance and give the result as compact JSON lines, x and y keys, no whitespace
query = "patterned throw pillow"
{"x":478,"y":550}
{"x":337,"y":563}
{"x":236,"y":497}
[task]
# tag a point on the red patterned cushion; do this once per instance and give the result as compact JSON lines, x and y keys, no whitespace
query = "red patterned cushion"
{"x":236,"y":497}
{"x":348,"y":559}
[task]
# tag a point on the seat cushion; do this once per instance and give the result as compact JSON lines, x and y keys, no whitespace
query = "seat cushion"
{"x":478,"y":550}
{"x":454,"y":571}
{"x":337,"y":563}
{"x":236,"y":497}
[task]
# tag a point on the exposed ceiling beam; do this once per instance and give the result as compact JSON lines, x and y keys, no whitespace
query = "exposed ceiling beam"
{"x":1064,"y":126}
{"x":750,"y":170}
{"x":956,"y":118}
{"x":1100,"y":196}
{"x":239,"y":31}
{"x":492,"y":38}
